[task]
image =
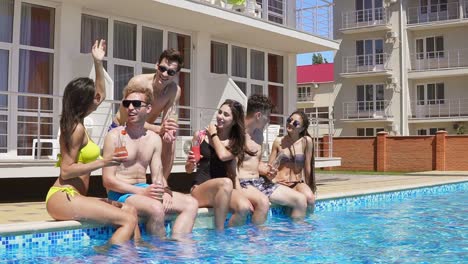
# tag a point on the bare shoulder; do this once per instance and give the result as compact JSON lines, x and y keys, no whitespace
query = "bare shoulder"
{"x":153,"y":137}
{"x":174,"y":90}
{"x":141,"y":80}
{"x":308,"y":140}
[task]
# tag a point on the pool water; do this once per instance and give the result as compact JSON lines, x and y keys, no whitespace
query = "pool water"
{"x":425,"y":229}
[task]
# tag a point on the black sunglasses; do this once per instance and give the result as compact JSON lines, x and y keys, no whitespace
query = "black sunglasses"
{"x":135,"y":103}
{"x":170,"y":72}
{"x":295,"y":123}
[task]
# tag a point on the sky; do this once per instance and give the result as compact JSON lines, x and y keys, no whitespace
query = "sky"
{"x":306,"y":58}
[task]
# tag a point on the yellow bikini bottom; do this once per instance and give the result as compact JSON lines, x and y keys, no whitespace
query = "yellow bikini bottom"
{"x":68,"y":190}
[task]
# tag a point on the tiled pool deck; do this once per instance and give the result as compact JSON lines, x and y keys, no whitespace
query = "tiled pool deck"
{"x":21,"y":217}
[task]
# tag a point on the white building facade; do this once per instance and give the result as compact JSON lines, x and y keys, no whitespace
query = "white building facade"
{"x":402,"y":67}
{"x":228,"y":52}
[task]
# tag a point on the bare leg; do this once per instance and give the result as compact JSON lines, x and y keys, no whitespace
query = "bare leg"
{"x":240,"y":207}
{"x":153,"y":210}
{"x":187,"y":208}
{"x":288,"y":197}
{"x":260,"y":202}
{"x":215,"y":193}
{"x":310,"y":196}
{"x":64,"y":207}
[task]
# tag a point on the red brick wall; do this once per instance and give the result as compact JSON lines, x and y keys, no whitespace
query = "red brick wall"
{"x":357,"y":153}
{"x":456,"y":153}
{"x":410,"y":153}
{"x":405,"y":154}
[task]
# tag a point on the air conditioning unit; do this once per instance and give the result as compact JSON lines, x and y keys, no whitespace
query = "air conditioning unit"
{"x":183,"y":146}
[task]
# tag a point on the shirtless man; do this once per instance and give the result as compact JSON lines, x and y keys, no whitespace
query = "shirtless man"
{"x":127,"y":184}
{"x":166,"y":93}
{"x":257,"y":117}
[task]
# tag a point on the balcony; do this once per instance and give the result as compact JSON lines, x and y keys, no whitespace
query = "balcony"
{"x":452,"y":109}
{"x":439,"y":63}
{"x":439,"y":15}
{"x":365,"y":20}
{"x":366,"y":65}
{"x":305,"y":100}
{"x":367,"y":110}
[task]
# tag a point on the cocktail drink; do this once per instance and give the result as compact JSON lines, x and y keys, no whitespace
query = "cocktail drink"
{"x":196,"y":150}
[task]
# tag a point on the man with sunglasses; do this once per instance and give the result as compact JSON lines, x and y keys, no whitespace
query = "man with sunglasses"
{"x":128,"y":184}
{"x":166,"y":94}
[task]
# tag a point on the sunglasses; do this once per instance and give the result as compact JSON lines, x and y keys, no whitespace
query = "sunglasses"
{"x":163,"y":69}
{"x":296,"y":123}
{"x":135,"y":103}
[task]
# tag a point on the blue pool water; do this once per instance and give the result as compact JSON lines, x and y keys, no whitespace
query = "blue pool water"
{"x":429,"y":228}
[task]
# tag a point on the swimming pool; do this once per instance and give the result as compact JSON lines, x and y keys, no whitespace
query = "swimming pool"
{"x":422,"y":225}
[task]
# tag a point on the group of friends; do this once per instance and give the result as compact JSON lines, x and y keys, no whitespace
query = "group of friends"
{"x":230,"y":176}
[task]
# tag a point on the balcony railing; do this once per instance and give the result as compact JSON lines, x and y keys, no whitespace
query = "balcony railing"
{"x":439,"y":108}
{"x":315,"y":16}
{"x":271,"y":10}
{"x":445,"y":59}
{"x":364,"y":18}
{"x":366,"y":63}
{"x":379,"y":109}
{"x":305,"y":97}
{"x":434,"y":13}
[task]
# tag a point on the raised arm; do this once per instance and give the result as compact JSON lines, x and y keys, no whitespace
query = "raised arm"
{"x":156,"y":164}
{"x":98,"y":51}
{"x":69,"y":167}
{"x":223,"y":153}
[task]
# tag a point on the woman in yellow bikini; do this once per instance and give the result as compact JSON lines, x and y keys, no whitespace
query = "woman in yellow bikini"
{"x":294,"y":156}
{"x":67,"y":199}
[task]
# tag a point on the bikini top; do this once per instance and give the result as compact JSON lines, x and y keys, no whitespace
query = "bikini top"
{"x":87,"y":154}
{"x":294,"y":158}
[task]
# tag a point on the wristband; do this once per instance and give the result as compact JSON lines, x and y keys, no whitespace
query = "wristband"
{"x":214,"y":135}
{"x":168,"y":191}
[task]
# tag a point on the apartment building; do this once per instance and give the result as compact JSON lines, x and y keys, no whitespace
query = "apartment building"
{"x":229,"y":51}
{"x":402,"y":67}
{"x":315,"y":96}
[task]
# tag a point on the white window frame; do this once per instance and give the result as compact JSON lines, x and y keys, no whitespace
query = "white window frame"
{"x":372,"y":15}
{"x":13,"y":74}
{"x":427,"y":101}
{"x":424,"y":54}
{"x":374,"y":54}
{"x":374,"y":102}
{"x":249,"y":81}
{"x":374,"y":131}
{"x":428,"y":131}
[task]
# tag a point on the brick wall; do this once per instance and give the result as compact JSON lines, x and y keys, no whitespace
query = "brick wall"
{"x":404,"y":154}
{"x":456,"y":153}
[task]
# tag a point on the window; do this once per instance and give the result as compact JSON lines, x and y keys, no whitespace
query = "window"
{"x":6,"y":20}
{"x":430,"y":48}
{"x":318,"y":112}
{"x":428,"y":131}
{"x":367,"y":8}
{"x":369,"y":52}
{"x":368,"y":131}
{"x":304,"y":93}
{"x":92,"y":28}
{"x":275,"y":68}
{"x":276,"y":10}
{"x":239,"y":62}
{"x":370,"y":97}
{"x":257,"y":65}
{"x":431,"y":93}
{"x":219,"y":54}
{"x":151,"y":44}
{"x":124,"y":40}
{"x":182,"y":43}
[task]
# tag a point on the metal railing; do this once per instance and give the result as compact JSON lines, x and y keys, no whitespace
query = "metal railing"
{"x":305,"y":97}
{"x":315,"y":16}
{"x":318,"y":127}
{"x":366,"y":63}
{"x":433,"y":13}
{"x":439,"y":108}
{"x":379,"y":109}
{"x":364,"y":18}
{"x":444,"y":59}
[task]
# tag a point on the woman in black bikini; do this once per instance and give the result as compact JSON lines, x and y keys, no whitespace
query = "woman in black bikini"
{"x":295,"y":155}
{"x":217,"y":169}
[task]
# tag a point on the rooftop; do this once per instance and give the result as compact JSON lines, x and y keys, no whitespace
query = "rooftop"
{"x":315,"y":73}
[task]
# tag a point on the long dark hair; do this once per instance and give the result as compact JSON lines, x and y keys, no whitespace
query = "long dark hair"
{"x":304,"y":133}
{"x":237,"y":136}
{"x":77,"y":99}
